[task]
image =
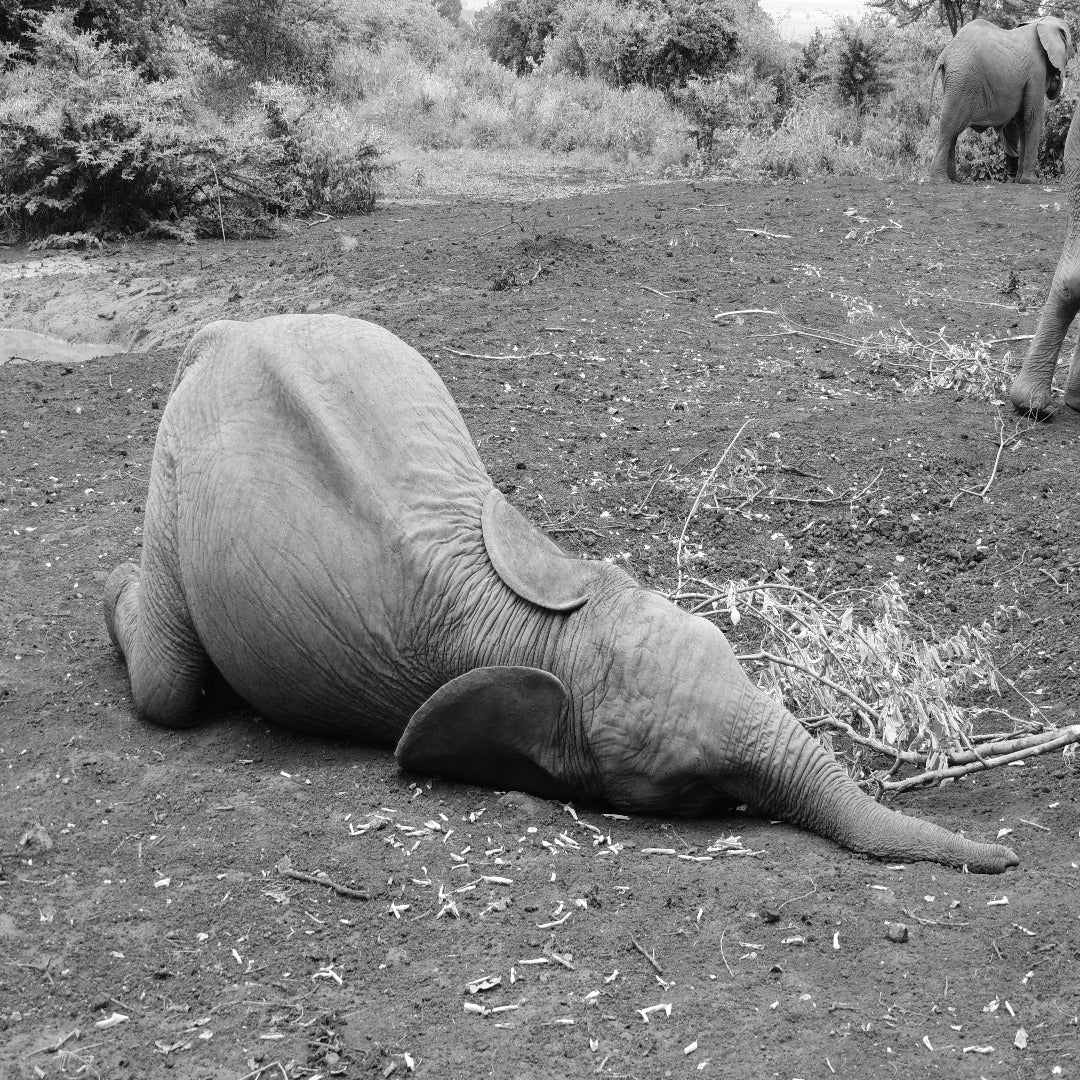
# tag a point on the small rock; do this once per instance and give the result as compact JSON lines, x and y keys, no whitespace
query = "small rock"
{"x":896,"y":931}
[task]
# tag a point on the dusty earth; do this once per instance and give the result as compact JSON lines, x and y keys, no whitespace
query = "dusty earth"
{"x":239,"y":901}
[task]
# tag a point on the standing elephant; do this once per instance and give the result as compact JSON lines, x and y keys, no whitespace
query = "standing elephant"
{"x":994,"y":78}
{"x":320,"y":532}
{"x":1031,"y":390}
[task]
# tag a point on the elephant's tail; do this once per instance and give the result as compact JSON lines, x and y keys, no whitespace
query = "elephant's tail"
{"x":939,"y":69}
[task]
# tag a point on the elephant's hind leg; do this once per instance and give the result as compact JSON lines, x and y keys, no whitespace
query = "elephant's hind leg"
{"x":148,"y":619}
{"x":166,"y":664}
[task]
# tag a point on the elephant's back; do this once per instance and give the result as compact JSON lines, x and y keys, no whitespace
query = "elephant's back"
{"x":325,"y":480}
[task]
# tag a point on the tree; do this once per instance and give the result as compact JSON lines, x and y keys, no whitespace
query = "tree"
{"x":955,"y":13}
{"x":270,"y":39}
{"x":136,"y":26}
{"x":516,"y":32}
{"x":449,"y":9}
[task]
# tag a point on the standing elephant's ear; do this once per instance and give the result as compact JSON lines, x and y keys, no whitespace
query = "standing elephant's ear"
{"x":1057,"y":42}
{"x":494,"y":726}
{"x":536,"y":568}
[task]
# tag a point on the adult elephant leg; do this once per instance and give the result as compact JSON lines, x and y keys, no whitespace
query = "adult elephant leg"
{"x":1031,"y":125}
{"x":1072,"y":383}
{"x":1031,"y":389}
{"x":943,"y":166}
{"x":1010,"y":142}
{"x":147,"y":616}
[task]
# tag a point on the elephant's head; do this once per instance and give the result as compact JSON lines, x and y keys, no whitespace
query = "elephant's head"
{"x":645,"y":707}
{"x":1057,"y":44}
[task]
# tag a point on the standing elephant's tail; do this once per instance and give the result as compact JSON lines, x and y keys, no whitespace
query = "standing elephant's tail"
{"x":790,"y":775}
{"x":939,"y":69}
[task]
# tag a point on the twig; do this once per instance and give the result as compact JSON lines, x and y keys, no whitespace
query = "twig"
{"x":666,"y":296}
{"x":801,"y":896}
{"x":221,"y":216}
{"x":652,"y":959}
{"x":52,"y":1048}
{"x":701,"y":492}
{"x":488,"y":356}
{"x":765,"y":232}
{"x":322,"y":879}
{"x":745,"y":311}
{"x":1002,"y":443}
{"x":722,"y":956}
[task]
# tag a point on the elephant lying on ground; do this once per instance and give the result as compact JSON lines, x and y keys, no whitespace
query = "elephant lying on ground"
{"x":1031,"y":390}
{"x":995,"y":78}
{"x":321,"y":531}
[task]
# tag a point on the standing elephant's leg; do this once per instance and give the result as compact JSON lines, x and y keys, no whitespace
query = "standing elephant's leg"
{"x":1072,"y":383}
{"x":943,"y":167}
{"x":1030,"y":136}
{"x":1031,"y":389}
{"x":1011,"y":137}
{"x":147,"y":616}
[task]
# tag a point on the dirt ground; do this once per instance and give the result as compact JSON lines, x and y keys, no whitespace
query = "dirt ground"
{"x":161,"y":906}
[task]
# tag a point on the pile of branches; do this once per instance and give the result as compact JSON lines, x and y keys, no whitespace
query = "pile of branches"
{"x":884,"y":691}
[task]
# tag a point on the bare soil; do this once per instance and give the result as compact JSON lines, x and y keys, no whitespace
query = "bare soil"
{"x":167,"y":900}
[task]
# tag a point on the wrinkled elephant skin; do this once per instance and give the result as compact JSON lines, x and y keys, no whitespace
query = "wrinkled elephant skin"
{"x":1031,"y":391}
{"x":1000,"y":79}
{"x":321,"y":531}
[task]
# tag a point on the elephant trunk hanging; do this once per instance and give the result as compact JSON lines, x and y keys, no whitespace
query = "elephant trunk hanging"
{"x":1000,"y":79}
{"x":321,"y":533}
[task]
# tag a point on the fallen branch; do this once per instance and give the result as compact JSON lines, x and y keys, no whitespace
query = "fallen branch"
{"x":52,"y":1048}
{"x":652,"y":959}
{"x":1002,"y":444}
{"x":326,"y":882}
{"x":697,"y":501}
{"x":765,"y":232}
{"x":745,"y":311}
{"x":489,"y":356}
{"x":1054,"y":740}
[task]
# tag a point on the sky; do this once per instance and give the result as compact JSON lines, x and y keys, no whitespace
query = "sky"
{"x":795,"y":19}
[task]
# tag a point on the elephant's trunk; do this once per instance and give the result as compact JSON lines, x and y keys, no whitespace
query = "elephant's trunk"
{"x":789,"y":774}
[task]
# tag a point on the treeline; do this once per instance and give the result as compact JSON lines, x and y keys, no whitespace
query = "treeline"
{"x":192,"y":118}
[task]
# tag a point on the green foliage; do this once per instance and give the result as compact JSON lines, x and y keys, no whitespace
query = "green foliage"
{"x":884,"y":686}
{"x":516,"y":33}
{"x":87,"y":145}
{"x":271,"y":39}
{"x":861,"y":65}
{"x":955,"y":13}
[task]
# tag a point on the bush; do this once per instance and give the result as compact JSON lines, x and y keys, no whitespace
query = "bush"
{"x":861,"y":73}
{"x":271,"y":39}
{"x":87,"y":145}
{"x":516,"y":33}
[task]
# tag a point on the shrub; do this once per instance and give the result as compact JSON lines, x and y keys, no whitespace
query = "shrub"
{"x":87,"y":145}
{"x":516,"y":33}
{"x":861,"y":64}
{"x":271,"y":39}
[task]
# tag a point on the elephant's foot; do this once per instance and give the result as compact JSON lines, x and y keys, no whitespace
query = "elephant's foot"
{"x":1073,"y":400}
{"x":1027,"y":178}
{"x":1033,"y":399}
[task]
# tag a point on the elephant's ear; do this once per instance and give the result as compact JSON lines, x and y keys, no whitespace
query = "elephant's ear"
{"x":1056,"y":40}
{"x":493,"y":726}
{"x":536,"y":568}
